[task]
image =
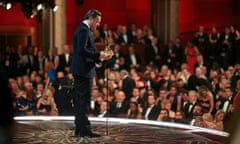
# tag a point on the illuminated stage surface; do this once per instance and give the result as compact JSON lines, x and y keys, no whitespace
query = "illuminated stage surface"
{"x":59,"y":130}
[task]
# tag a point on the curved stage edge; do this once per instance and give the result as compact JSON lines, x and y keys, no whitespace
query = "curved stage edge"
{"x":60,"y":129}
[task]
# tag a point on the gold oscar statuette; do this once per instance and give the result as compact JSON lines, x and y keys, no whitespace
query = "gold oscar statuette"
{"x":108,"y":51}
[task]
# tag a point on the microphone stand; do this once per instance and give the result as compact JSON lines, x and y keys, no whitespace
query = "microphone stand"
{"x":108,"y":51}
{"x":107,"y":127}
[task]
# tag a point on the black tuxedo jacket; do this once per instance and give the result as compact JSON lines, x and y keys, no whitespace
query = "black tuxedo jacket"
{"x":128,"y":60}
{"x":189,"y":114}
{"x":119,"y":112}
{"x":120,"y":40}
{"x":85,"y":54}
{"x":62,"y":62}
{"x":127,"y":86}
{"x":224,"y":100}
{"x":153,"y":115}
{"x":150,"y":54}
{"x":194,"y":82}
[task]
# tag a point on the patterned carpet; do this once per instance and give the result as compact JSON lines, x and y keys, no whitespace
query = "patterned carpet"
{"x":61,"y":132}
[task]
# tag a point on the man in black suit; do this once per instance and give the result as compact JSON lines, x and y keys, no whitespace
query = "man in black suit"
{"x":151,"y":111}
{"x":124,"y":37}
{"x":103,"y":110}
{"x":119,"y":107}
{"x":170,"y":55}
{"x":128,"y":84}
{"x":196,"y":80}
{"x":228,"y":101}
{"x":64,"y":60}
{"x":152,"y":53}
{"x":39,"y":62}
{"x":85,"y":56}
{"x":189,"y":106}
{"x":132,"y":59}
{"x":201,"y":40}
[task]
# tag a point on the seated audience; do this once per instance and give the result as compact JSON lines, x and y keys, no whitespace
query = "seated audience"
{"x":46,"y":104}
{"x":219,"y":119}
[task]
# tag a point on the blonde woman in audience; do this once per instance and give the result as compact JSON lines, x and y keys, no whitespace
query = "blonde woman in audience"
{"x":13,"y":87}
{"x":46,"y":104}
{"x":208,"y":121}
{"x":218,"y":119}
{"x":206,"y":99}
{"x":166,"y":104}
{"x":198,"y":121}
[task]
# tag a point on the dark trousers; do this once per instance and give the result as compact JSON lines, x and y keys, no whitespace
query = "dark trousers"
{"x":82,"y":96}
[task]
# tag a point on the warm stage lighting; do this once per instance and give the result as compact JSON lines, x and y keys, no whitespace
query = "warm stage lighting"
{"x":55,"y":7}
{"x":7,"y":4}
{"x":39,"y":6}
{"x":31,"y":8}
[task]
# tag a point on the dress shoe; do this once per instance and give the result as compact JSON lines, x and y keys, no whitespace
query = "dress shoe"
{"x":93,"y":135}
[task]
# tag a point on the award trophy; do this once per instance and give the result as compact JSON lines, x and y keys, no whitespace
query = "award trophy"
{"x":108,"y":51}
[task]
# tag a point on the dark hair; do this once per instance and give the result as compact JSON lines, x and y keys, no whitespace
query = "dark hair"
{"x":92,"y":13}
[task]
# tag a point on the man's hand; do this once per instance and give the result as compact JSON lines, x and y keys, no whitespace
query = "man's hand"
{"x":103,"y":56}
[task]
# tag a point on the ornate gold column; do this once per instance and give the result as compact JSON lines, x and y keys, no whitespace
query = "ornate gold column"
{"x":59,"y":25}
{"x":165,"y":19}
{"x":51,"y":27}
{"x":44,"y":30}
{"x":174,"y":19}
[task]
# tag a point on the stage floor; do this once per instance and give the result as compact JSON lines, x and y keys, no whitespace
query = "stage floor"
{"x":59,"y":130}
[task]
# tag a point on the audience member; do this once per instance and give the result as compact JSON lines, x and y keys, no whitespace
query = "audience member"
{"x":119,"y":107}
{"x":189,"y":107}
{"x":46,"y":104}
{"x":206,"y":99}
{"x":191,"y":52}
{"x":151,"y":110}
{"x":104,"y":112}
{"x":219,"y":119}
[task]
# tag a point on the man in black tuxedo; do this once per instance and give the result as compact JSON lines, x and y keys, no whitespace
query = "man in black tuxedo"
{"x":201,"y":40}
{"x":152,"y":53}
{"x":103,"y":110}
{"x":151,"y":111}
{"x":124,"y":37}
{"x":228,"y":100}
{"x":189,"y":106}
{"x":64,"y":60}
{"x":128,"y":84}
{"x":196,"y":80}
{"x":39,"y":62}
{"x":132,"y":59}
{"x":170,"y":55}
{"x":84,"y":58}
{"x":119,"y":107}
